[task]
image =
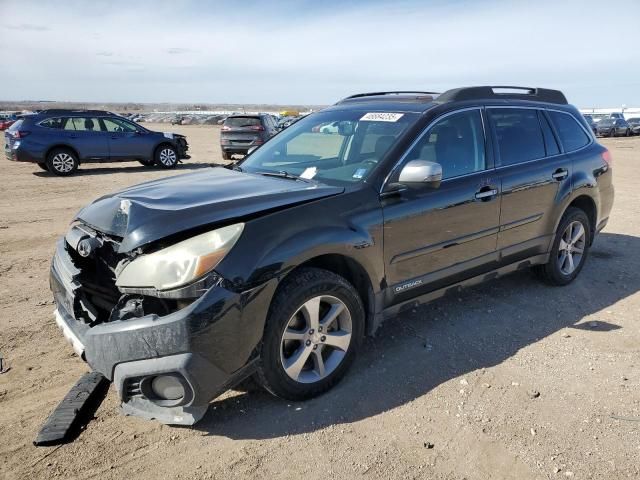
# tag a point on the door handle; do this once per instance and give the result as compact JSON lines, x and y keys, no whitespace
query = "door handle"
{"x":72,"y":136}
{"x":114,"y":138}
{"x":560,"y":174}
{"x":486,"y":193}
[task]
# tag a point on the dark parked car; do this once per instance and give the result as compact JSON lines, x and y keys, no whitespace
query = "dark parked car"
{"x":592,"y":123}
{"x":276,"y":267}
{"x":240,"y":133}
{"x":60,"y":140}
{"x":634,"y":124}
{"x":613,"y":127}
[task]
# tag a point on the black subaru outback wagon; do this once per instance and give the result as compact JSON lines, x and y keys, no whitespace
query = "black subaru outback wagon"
{"x":59,"y":140}
{"x":276,"y":267}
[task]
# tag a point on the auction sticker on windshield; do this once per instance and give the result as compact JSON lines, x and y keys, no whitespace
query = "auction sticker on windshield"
{"x":309,"y":173}
{"x":381,"y":117}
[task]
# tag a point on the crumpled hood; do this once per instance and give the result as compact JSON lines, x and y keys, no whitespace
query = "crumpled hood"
{"x":153,"y":210}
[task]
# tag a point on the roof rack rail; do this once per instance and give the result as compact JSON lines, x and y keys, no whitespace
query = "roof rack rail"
{"x":73,"y":110}
{"x":396,"y":92}
{"x":508,"y":92}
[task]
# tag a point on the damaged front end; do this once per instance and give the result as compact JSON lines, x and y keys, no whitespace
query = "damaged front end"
{"x":169,"y":351}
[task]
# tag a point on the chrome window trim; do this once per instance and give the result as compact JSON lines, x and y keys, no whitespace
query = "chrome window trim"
{"x":495,"y":167}
{"x":423,"y":133}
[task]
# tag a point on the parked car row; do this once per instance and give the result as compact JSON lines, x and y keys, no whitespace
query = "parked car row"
{"x":613,"y":125}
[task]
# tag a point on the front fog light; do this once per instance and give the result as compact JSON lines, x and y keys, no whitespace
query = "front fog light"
{"x":167,"y":387}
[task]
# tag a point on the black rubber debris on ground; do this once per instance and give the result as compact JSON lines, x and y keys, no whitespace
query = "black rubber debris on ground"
{"x":74,"y":411}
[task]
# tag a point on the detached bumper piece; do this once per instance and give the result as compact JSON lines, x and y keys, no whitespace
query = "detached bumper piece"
{"x":74,"y":411}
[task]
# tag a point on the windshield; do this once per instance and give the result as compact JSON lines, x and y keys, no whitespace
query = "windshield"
{"x":333,"y":146}
{"x":607,"y":121}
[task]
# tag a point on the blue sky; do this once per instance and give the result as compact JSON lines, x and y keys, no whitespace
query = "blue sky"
{"x":314,"y":52}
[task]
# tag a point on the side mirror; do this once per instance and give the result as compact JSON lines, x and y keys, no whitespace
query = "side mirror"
{"x":421,"y":172}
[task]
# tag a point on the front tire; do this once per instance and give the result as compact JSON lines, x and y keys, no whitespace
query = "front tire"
{"x":569,"y":250}
{"x":62,"y":162}
{"x":313,"y":331}
{"x":166,"y":156}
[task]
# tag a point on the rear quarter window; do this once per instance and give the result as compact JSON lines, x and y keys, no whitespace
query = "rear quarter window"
{"x":572,"y":135}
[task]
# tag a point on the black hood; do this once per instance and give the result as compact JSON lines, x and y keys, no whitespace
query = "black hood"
{"x":160,"y":208}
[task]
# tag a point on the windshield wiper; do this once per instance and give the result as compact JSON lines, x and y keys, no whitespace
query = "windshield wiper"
{"x":285,"y":174}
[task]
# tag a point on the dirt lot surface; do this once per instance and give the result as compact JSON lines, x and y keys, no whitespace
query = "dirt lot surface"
{"x":513,"y":379}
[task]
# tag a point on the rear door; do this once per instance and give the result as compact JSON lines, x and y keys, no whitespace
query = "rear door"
{"x":534,"y":173}
{"x":86,"y":136}
{"x":125,"y":140}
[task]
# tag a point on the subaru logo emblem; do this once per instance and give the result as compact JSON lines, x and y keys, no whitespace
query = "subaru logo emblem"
{"x":85,"y":247}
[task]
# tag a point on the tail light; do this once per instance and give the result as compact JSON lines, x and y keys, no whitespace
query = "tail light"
{"x":258,"y":141}
{"x":20,"y":133}
{"x":224,"y":127}
{"x":257,"y":128}
{"x":606,"y":156}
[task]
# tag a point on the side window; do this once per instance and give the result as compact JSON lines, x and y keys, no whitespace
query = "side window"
{"x":571,"y":133}
{"x":117,"y":125}
{"x":456,"y":142}
{"x":84,"y":124}
{"x":550,"y":143}
{"x":55,"y":123}
{"x":518,"y":134}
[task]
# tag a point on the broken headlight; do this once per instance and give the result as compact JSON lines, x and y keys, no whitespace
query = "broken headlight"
{"x":181,"y":263}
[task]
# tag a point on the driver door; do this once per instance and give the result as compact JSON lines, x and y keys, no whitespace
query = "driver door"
{"x":434,"y":237}
{"x":125,"y":141}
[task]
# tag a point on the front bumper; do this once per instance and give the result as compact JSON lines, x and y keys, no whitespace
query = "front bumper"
{"x":210,"y":344}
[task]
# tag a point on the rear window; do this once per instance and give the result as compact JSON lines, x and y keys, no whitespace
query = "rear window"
{"x":572,"y":135}
{"x":242,"y":122}
{"x":518,"y":133}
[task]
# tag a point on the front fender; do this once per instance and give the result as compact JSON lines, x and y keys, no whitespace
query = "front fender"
{"x":271,"y":246}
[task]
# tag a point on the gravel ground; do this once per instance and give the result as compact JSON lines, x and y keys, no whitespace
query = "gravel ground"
{"x":512,"y":379}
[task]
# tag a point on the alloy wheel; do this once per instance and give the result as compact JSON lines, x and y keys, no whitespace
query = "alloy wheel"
{"x":571,"y":247}
{"x":168,"y":157}
{"x":316,"y":339}
{"x":63,"y":162}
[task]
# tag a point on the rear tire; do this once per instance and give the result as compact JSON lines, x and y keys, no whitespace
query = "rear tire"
{"x":62,"y":162}
{"x":166,"y":156}
{"x":628,"y":133}
{"x":226,"y":156}
{"x":313,"y":331}
{"x":569,"y":250}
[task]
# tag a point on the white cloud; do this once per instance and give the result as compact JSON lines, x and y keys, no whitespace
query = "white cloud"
{"x":296,"y":52}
